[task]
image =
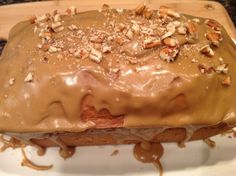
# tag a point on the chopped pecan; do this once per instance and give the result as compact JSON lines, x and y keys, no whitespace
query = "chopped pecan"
{"x":71,"y":11}
{"x":53,"y":49}
{"x":11,"y":81}
{"x":168,"y":54}
{"x":205,"y":69}
{"x":206,"y":50}
{"x":32,"y":19}
{"x":136,"y":28}
{"x":57,"y":26}
{"x":226,"y":82}
{"x":140,"y":9}
{"x":73,"y":27}
{"x":167,"y":11}
{"x":44,"y":47}
{"x":29,"y":77}
{"x":148,"y":13}
{"x":223,"y":68}
{"x":106,"y":49}
{"x":213,"y":24}
{"x":105,"y":7}
{"x":119,"y":40}
{"x":151,"y":43}
{"x":95,"y":55}
{"x":129,"y":34}
{"x":169,"y":41}
{"x":214,"y":37}
{"x":191,"y":28}
{"x":182,"y":29}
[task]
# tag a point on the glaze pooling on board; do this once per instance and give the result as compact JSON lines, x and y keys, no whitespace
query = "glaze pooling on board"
{"x":43,"y":91}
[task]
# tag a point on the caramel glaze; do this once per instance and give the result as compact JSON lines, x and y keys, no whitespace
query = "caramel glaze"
{"x":149,"y":153}
{"x":147,"y":93}
{"x":210,"y":142}
{"x":27,"y":163}
{"x":11,"y":143}
{"x":64,"y":151}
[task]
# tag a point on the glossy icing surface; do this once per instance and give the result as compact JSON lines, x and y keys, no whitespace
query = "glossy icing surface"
{"x":107,"y":62}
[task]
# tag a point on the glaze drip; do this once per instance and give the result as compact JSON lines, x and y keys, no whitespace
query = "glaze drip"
{"x":149,"y":153}
{"x":27,"y":163}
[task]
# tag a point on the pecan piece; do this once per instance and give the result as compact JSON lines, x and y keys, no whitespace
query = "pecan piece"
{"x":169,"y":41}
{"x":206,"y":50}
{"x":151,"y":43}
{"x":226,"y":82}
{"x":168,"y":54}
{"x":214,"y":37}
{"x":167,"y":11}
{"x":213,"y":24}
{"x":140,"y":9}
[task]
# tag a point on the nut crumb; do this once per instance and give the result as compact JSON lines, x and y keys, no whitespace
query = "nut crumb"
{"x":222,"y":69}
{"x":72,"y":27}
{"x":95,"y":55}
{"x":226,"y":82}
{"x":11,"y":81}
{"x":29,"y":77}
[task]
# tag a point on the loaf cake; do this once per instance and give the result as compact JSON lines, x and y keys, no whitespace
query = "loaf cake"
{"x":115,"y":76}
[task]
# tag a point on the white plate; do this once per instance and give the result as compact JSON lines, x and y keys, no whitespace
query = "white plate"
{"x":197,"y":159}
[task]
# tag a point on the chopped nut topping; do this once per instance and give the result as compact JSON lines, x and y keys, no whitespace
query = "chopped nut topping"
{"x":168,"y":54}
{"x":119,"y":40}
{"x":214,"y":37}
{"x":71,"y":11}
{"x":57,"y":18}
{"x":182,"y":29}
{"x":194,"y":61}
{"x":167,"y":11}
{"x":221,"y":59}
{"x":213,"y":24}
{"x":223,"y":68}
{"x":57,"y":26}
{"x":170,"y":30}
{"x":96,"y":39}
{"x":73,"y":27}
{"x":33,"y":19}
{"x":205,"y":70}
{"x":140,"y":9}
{"x":151,"y":43}
{"x":106,"y":49}
{"x":105,"y":7}
{"x":120,"y":10}
{"x":136,"y":28}
{"x":196,"y":20}
{"x":191,"y":28}
{"x":45,"y":47}
{"x":44,"y":18}
{"x":226,"y":82}
{"x":95,"y":55}
{"x":148,"y":13}
{"x":170,"y":41}
{"x":206,"y":50}
{"x":129,"y":34}
{"x":53,"y":49}
{"x":81,"y":54}
{"x":11,"y":81}
{"x":29,"y":77}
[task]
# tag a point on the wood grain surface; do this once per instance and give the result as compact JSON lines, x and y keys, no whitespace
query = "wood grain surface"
{"x":12,"y":14}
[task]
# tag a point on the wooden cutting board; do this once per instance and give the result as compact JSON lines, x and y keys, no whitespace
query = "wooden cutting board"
{"x":11,"y":14}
